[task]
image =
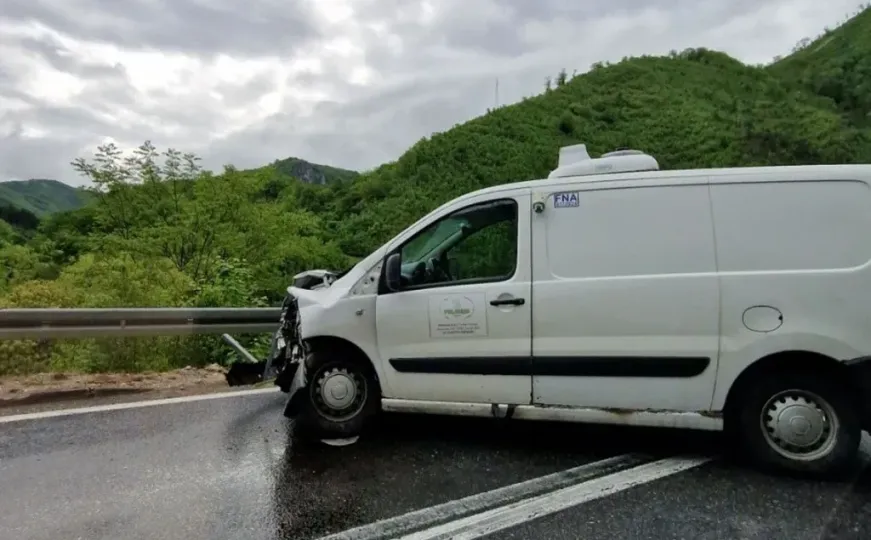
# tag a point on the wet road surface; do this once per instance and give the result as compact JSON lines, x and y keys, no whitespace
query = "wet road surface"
{"x":230,"y":468}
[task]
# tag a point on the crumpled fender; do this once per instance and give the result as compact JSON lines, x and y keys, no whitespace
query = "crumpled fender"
{"x":295,"y":395}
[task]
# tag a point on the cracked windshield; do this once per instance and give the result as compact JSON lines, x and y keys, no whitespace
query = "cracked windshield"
{"x":432,"y":269}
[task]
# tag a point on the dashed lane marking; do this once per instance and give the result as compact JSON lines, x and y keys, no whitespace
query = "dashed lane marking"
{"x":513,"y":514}
{"x":480,"y":502}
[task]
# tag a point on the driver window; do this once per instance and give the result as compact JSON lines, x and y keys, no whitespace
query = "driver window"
{"x":477,"y":243}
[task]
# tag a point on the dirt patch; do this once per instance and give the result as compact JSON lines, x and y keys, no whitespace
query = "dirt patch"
{"x":44,"y":388}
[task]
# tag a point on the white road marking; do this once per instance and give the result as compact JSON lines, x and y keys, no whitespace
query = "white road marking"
{"x":132,"y":405}
{"x":510,"y":515}
{"x":453,"y":510}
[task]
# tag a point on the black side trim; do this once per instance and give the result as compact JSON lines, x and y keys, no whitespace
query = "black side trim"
{"x":558,"y":366}
{"x":621,"y":366}
{"x":458,"y":365}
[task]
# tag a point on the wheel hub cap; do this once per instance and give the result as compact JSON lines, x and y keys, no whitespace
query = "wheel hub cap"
{"x":799,"y":425}
{"x":338,"y":390}
{"x":339,"y":394}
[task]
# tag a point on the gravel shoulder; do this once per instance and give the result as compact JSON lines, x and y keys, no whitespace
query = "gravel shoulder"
{"x":48,"y":391}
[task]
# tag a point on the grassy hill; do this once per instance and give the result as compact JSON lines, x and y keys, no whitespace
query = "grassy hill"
{"x":41,"y":197}
{"x":698,"y":108}
{"x":837,"y":66}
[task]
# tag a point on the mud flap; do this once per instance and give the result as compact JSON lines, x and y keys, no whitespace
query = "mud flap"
{"x":296,"y":392}
{"x":276,"y":349}
{"x":860,"y":373}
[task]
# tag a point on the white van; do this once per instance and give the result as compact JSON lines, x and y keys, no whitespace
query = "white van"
{"x":611,"y":292}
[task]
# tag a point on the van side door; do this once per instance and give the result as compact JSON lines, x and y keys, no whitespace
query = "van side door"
{"x":625,"y":295}
{"x":459,"y":328}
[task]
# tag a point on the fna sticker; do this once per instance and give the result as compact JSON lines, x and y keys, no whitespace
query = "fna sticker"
{"x":566,"y":199}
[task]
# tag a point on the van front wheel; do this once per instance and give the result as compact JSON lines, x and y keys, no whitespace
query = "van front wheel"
{"x":801,"y":423}
{"x":342,"y":394}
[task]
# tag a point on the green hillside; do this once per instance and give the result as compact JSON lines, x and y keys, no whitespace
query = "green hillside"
{"x":836,"y":65}
{"x":698,"y":108}
{"x":41,"y":197}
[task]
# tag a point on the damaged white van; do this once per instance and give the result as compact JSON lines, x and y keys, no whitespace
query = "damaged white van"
{"x":610,"y":292}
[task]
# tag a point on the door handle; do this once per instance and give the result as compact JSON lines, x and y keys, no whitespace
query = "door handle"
{"x":508,"y":302}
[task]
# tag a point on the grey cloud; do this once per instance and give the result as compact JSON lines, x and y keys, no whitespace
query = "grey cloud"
{"x":53,"y":53}
{"x":62,"y":119}
{"x":236,"y":94}
{"x":18,"y":156}
{"x":374,"y":128}
{"x":444,"y":75}
{"x":361,"y":134}
{"x":107,"y":84}
{"x":193,"y":26}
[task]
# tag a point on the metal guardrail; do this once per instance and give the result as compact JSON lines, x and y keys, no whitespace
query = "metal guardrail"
{"x":118,"y":322}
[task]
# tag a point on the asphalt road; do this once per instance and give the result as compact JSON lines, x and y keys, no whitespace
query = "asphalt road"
{"x":230,"y":468}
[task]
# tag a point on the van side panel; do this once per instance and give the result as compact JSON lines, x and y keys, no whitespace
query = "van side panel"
{"x":625,"y":296}
{"x":794,"y":270}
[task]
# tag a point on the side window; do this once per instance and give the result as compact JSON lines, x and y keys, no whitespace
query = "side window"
{"x":475,"y":244}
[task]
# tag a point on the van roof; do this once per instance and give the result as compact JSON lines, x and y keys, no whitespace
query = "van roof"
{"x":714,"y":176}
{"x":575,"y":167}
{"x":680,"y":176}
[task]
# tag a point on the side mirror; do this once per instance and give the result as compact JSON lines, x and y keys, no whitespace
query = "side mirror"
{"x":393,"y":272}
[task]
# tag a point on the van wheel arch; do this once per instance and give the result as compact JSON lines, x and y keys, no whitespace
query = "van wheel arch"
{"x":337,"y":345}
{"x":804,"y":361}
{"x":335,"y":358}
{"x":791,"y":372}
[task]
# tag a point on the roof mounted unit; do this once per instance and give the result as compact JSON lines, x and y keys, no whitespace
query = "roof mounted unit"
{"x":575,"y":161}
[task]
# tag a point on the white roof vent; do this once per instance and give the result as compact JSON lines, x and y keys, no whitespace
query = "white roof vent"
{"x":575,"y":161}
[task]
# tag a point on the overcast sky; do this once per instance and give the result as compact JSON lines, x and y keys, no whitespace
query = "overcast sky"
{"x":350,"y":83}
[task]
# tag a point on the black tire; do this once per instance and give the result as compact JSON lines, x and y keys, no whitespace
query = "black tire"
{"x":758,"y":442}
{"x":317,"y":417}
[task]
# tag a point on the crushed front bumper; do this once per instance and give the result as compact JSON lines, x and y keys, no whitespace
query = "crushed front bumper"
{"x":287,"y":356}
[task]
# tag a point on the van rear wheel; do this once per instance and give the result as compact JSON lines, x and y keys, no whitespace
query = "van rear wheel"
{"x":342,"y":394}
{"x":801,"y":423}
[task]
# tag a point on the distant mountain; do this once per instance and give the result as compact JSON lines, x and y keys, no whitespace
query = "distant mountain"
{"x":312,"y":173}
{"x":41,"y":197}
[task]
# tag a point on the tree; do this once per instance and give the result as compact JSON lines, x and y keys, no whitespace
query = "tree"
{"x":172,"y":209}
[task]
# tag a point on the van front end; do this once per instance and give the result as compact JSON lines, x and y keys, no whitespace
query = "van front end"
{"x":319,"y":354}
{"x":282,"y":359}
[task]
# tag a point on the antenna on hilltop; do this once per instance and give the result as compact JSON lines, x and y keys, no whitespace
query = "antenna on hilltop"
{"x":496,"y":97}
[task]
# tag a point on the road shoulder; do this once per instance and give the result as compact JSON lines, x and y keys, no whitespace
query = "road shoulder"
{"x":53,"y":391}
